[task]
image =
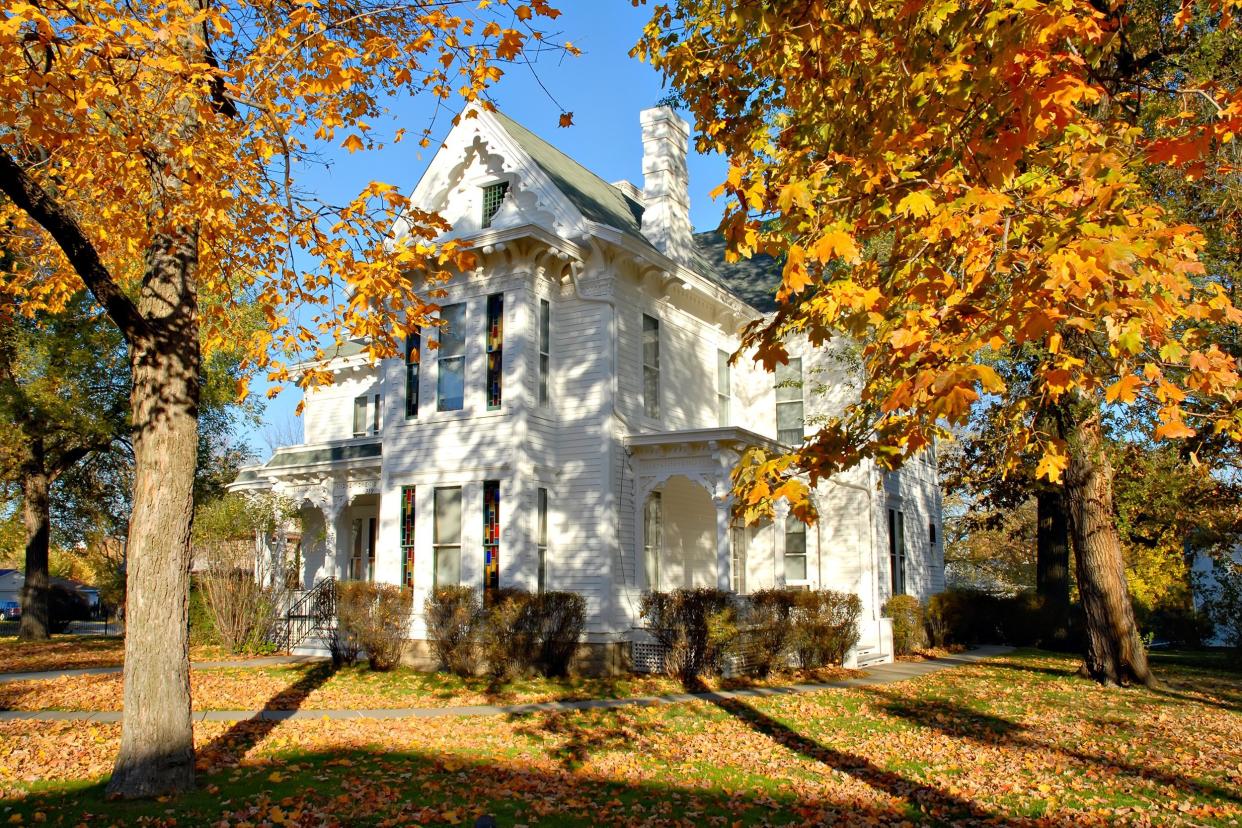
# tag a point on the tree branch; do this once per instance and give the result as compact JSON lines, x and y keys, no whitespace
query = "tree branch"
{"x":64,"y":229}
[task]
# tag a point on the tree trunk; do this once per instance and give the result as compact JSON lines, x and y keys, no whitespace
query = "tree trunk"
{"x":157,"y":738}
{"x":1115,"y":652}
{"x":36,"y":515}
{"x":1052,"y":563}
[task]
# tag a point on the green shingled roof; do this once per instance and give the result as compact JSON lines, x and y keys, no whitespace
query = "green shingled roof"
{"x":331,"y":454}
{"x":754,"y":281}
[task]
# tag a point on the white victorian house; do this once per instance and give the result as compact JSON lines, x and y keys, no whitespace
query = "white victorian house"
{"x":577,"y":425}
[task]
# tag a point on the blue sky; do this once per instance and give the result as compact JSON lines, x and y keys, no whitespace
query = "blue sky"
{"x":604,"y":88}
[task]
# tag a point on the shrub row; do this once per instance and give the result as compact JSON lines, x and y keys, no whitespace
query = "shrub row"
{"x":699,"y":629}
{"x":515,"y":633}
{"x":970,"y":617}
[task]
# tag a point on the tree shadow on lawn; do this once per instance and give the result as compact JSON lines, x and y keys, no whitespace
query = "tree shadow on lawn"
{"x":582,"y":734}
{"x":961,"y":722}
{"x":370,"y":786}
{"x":244,"y":735}
{"x":930,"y":801}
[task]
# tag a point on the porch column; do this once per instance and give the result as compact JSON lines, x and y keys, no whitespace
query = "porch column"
{"x":724,"y":548}
{"x":780,"y":512}
{"x":332,"y":504}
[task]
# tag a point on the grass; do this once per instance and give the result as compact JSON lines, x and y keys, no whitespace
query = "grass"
{"x":1015,"y":740}
{"x":72,"y":652}
{"x":313,"y":686}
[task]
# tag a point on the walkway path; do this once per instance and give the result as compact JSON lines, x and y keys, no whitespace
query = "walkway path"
{"x":262,"y":661}
{"x":875,"y":675}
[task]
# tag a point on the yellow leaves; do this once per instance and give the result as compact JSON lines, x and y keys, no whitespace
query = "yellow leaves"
{"x":1052,"y":463}
{"x":796,"y":193}
{"x":1124,"y":390}
{"x":916,"y":204}
{"x":795,"y":276}
{"x":837,"y":243}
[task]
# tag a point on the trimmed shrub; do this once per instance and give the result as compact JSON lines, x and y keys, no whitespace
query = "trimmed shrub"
{"x":504,"y":638}
{"x":521,"y":632}
{"x":696,"y":627}
{"x":453,"y":615}
{"x":556,"y":621}
{"x":767,"y":630}
{"x":825,"y":627}
{"x":907,"y":615}
{"x":377,"y":617}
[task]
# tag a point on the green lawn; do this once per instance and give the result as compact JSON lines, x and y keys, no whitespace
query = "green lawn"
{"x":1018,"y":740}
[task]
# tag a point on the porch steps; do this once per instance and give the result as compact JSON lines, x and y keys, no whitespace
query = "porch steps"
{"x":866,"y":655}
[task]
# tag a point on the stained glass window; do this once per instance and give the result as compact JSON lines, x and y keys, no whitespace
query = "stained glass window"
{"x":491,"y":536}
{"x":413,"y":355}
{"x":407,"y":536}
{"x":495,"y":348}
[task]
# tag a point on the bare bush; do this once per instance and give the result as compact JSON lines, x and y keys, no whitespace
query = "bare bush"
{"x":377,"y":618}
{"x":453,"y":615}
{"x":242,"y":609}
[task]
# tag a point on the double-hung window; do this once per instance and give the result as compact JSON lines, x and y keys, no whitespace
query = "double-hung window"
{"x":447,"y":536}
{"x":651,"y":366}
{"x":495,"y":343}
{"x":897,"y":551}
{"x":413,"y":354}
{"x":362,"y":562}
{"x":789,"y":409}
{"x":545,"y":351}
{"x":724,"y":388}
{"x":653,"y":538}
{"x":541,"y":538}
{"x":451,"y":359}
{"x":493,"y":197}
{"x":737,"y":566}
{"x":366,"y":415}
{"x":795,"y":549}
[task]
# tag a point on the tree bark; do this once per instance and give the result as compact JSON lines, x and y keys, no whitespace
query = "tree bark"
{"x":1115,"y":653}
{"x":1052,"y":562}
{"x":36,"y":514}
{"x":157,"y":737}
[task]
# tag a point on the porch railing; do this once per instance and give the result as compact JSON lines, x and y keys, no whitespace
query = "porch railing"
{"x":312,"y":613}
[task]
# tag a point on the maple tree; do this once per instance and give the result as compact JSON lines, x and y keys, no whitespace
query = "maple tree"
{"x":948,"y":182}
{"x":153,"y":153}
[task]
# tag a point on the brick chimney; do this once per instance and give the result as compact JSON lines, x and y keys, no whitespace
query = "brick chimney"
{"x":666,"y":187}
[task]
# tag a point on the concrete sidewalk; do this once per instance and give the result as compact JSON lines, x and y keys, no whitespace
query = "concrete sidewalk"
{"x":872,"y":676}
{"x":263,"y":661}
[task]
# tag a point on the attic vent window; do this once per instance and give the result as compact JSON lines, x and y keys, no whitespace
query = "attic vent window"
{"x":493,"y":197}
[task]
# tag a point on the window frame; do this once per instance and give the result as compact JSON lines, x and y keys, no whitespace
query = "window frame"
{"x":897,"y":581}
{"x":724,"y":388}
{"x":494,"y":349}
{"x":653,"y":537}
{"x":796,"y":528}
{"x":488,"y":211}
{"x":651,"y":401}
{"x":361,"y":404}
{"x":737,"y":559}
{"x":541,"y":539}
{"x":440,"y":544}
{"x":787,"y":384}
{"x":443,"y":356}
{"x":409,"y":512}
{"x":544,"y":336}
{"x":413,"y":362}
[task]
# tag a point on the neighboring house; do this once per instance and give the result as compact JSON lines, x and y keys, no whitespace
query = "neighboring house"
{"x":11,"y":581}
{"x":1206,"y":578}
{"x":578,"y":423}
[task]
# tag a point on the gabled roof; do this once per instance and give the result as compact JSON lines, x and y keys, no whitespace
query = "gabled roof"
{"x":754,"y":281}
{"x":594,"y":197}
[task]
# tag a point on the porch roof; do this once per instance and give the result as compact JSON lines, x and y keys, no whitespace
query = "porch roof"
{"x":728,"y":436}
{"x":293,"y":460}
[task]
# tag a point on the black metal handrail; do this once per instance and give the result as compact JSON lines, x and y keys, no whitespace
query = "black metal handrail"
{"x":313,"y":612}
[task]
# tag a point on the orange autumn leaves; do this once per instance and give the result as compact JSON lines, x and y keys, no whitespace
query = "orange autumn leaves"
{"x":98,"y":95}
{"x":950,"y":184}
